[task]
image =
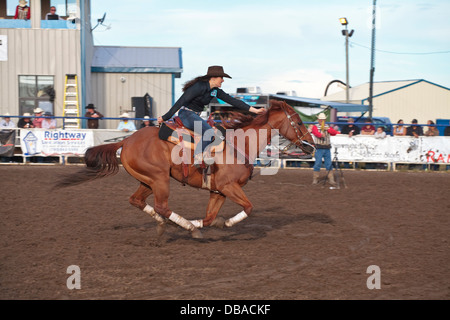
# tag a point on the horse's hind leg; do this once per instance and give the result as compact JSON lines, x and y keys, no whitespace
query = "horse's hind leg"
{"x":138,"y":200}
{"x":161,"y":193}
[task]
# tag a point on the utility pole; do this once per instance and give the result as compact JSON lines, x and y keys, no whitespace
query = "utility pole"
{"x":346,"y":66}
{"x":347,"y":35}
{"x":372,"y":60}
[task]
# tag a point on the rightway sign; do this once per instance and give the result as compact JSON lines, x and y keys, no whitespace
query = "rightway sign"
{"x":55,"y":142}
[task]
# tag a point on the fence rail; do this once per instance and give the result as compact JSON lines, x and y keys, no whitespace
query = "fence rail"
{"x":359,"y":152}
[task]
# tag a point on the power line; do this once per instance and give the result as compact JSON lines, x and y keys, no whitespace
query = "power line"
{"x":396,"y":52}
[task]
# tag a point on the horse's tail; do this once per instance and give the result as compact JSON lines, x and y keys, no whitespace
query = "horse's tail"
{"x":101,"y":161}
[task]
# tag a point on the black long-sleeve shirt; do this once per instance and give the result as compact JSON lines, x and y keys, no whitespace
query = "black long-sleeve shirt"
{"x":199,"y":95}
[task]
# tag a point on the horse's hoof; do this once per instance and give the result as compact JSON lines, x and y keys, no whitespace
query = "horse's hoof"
{"x":218,"y":222}
{"x":160,"y":229}
{"x":196,"y":234}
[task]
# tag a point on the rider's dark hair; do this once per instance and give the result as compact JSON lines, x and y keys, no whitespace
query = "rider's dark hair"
{"x":190,"y":83}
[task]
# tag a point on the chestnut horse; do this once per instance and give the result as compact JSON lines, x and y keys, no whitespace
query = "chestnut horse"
{"x":150,"y":160}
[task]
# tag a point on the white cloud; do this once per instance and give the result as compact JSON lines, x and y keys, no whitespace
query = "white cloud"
{"x":306,"y":82}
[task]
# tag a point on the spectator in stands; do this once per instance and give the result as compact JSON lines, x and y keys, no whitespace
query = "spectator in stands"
{"x":414,"y":129}
{"x":94,"y":115}
{"x":6,"y":122}
{"x":25,"y":122}
{"x":350,"y":128}
{"x":368,"y":129}
{"x":146,"y":122}
{"x":37,"y":121}
{"x":447,"y":131}
{"x":49,"y":121}
{"x":432,"y":129}
{"x":52,"y":13}
{"x":400,"y":129}
{"x":380,"y":134}
{"x":322,"y":141}
{"x":22,"y":11}
{"x":124,"y":124}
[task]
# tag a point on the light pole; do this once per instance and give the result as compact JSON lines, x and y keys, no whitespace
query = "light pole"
{"x":347,"y":35}
{"x":372,"y":60}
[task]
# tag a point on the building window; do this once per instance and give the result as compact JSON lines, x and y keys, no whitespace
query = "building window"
{"x":64,"y":7}
{"x":36,"y":91}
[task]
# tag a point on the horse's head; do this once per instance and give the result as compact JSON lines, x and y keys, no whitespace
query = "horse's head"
{"x":284,"y":118}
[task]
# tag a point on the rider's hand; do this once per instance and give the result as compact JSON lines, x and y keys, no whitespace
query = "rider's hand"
{"x":257,"y":110}
{"x":160,"y":120}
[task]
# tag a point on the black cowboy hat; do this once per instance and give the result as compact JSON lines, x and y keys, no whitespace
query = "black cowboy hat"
{"x":216,"y":71}
{"x":90,"y":106}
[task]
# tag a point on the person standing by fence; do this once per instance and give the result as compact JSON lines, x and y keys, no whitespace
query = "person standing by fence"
{"x":94,"y":115}
{"x":6,"y":122}
{"x":25,"y":122}
{"x":125,"y":124}
{"x":414,"y":129}
{"x":322,"y":141}
{"x":37,"y":121}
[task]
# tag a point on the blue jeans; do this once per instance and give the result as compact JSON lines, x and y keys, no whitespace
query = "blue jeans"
{"x":189,"y":118}
{"x":326,"y":155}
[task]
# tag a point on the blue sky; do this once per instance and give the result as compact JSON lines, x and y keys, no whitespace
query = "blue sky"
{"x":287,"y":45}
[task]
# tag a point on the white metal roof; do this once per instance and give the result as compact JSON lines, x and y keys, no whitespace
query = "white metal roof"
{"x":137,"y":59}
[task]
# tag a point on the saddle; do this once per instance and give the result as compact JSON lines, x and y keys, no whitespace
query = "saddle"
{"x":175,"y":132}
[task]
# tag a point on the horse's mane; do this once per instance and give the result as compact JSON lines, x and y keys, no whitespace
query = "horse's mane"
{"x":239,"y":120}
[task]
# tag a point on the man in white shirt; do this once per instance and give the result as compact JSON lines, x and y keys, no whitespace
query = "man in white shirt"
{"x":126,"y":125}
{"x":6,"y":122}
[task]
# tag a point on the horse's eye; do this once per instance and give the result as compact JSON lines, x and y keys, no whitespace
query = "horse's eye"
{"x":300,"y":123}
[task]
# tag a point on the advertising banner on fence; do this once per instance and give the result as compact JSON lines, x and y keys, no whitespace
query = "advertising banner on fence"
{"x":55,"y":142}
{"x":392,"y":149}
{"x":360,"y":148}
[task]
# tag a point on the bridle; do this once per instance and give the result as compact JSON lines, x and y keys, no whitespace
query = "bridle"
{"x":297,"y":132}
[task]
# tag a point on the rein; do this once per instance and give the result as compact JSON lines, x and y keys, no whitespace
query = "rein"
{"x":299,"y":138}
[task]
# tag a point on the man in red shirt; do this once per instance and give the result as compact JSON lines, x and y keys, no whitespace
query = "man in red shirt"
{"x":37,"y":122}
{"x":321,"y":136}
{"x":368,"y":129}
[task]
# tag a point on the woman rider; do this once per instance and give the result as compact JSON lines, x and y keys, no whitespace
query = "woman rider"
{"x":199,"y":92}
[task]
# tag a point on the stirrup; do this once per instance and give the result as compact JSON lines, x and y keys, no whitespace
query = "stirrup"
{"x":199,"y":164}
{"x":208,"y":160}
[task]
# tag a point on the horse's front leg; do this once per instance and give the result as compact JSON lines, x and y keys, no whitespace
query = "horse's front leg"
{"x":237,"y":195}
{"x":216,"y":200}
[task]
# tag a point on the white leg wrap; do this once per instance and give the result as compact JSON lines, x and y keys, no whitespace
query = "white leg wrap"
{"x":182,"y":222}
{"x":197,"y":223}
{"x":149,"y":209}
{"x":237,"y":218}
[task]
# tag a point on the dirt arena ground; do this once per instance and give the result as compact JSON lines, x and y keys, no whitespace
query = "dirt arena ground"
{"x":300,"y":242}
